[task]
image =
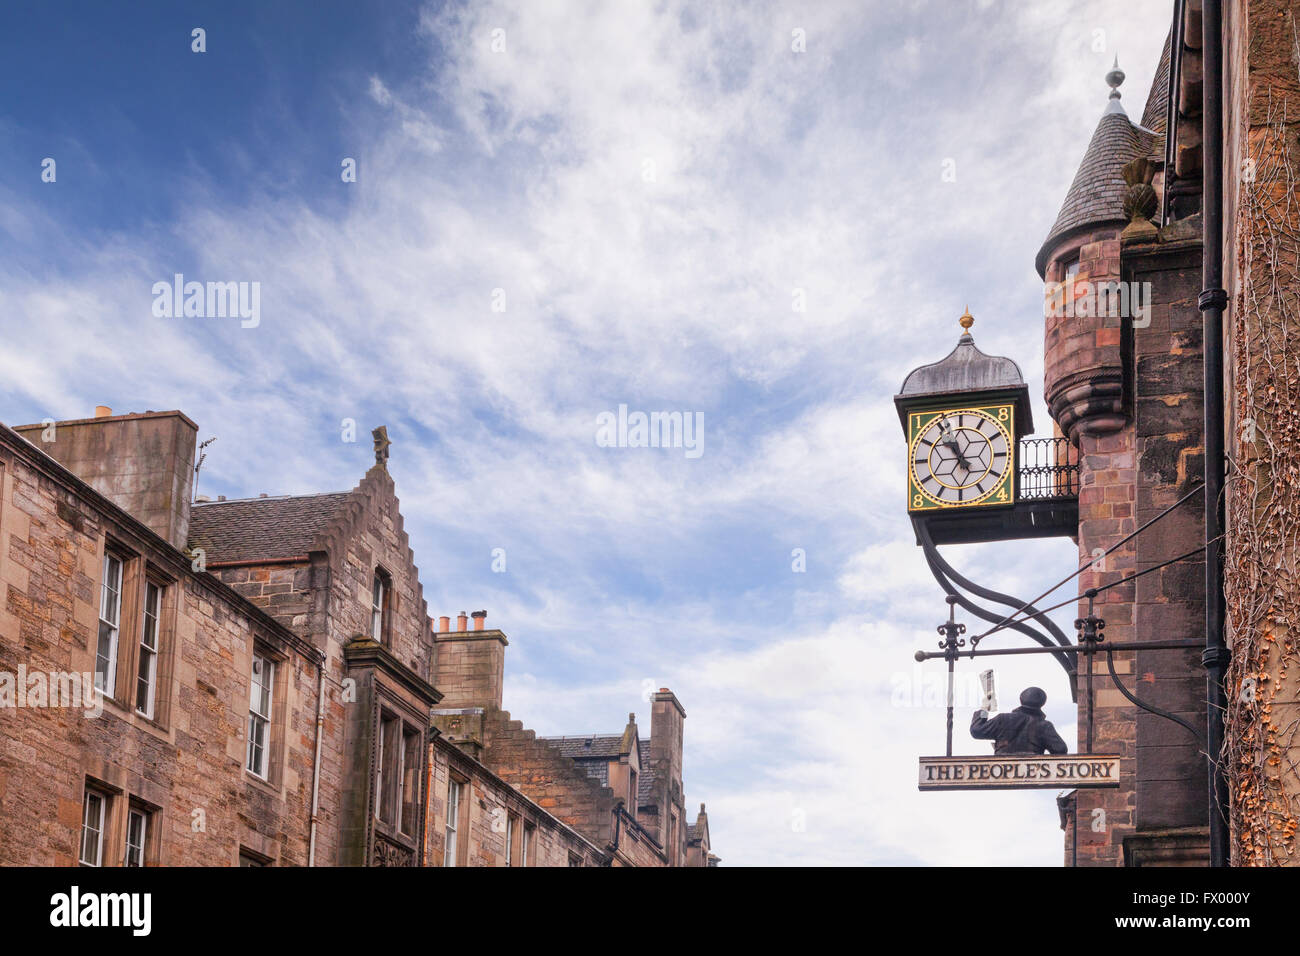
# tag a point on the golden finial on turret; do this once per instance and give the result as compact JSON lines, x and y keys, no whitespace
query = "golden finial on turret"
{"x":967,"y":320}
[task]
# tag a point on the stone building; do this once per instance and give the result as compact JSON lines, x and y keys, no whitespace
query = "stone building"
{"x":1191,"y":209}
{"x":1172,"y":328}
{"x":274,"y":691}
{"x":1123,"y":382}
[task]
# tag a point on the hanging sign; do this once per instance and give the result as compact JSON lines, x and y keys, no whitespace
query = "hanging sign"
{"x":1019,"y":772}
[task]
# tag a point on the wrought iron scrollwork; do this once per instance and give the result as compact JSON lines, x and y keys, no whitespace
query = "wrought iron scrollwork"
{"x":950,"y":580}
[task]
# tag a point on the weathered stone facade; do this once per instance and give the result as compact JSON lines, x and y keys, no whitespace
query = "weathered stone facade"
{"x":298,"y":624}
{"x":1125,"y":385}
{"x":1261,"y":258}
{"x":184,"y":766}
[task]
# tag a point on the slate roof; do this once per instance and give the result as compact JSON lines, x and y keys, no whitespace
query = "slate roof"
{"x":604,"y":746}
{"x":261,"y":529}
{"x":1156,"y":115}
{"x":1097,"y":194}
{"x":645,"y":784}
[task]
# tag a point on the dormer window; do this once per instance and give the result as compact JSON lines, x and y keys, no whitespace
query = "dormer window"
{"x":379,"y":604}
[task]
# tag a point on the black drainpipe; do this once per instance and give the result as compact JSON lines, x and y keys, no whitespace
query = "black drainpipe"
{"x":1212,"y":302}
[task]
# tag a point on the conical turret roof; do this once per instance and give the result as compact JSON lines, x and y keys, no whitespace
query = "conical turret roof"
{"x":1097,"y":194}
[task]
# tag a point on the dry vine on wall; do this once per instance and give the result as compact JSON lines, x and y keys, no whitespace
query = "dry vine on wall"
{"x":1262,"y":730}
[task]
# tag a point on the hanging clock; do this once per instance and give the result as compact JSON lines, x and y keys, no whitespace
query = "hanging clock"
{"x":961,"y":457}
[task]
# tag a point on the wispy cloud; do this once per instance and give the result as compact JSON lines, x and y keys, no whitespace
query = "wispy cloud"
{"x":571,"y":206}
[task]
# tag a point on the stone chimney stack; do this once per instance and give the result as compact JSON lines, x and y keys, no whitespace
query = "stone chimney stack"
{"x":667,"y":720}
{"x":469,"y":664}
{"x":143,"y":463}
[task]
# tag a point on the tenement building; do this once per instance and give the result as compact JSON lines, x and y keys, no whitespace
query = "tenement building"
{"x":258,"y":682}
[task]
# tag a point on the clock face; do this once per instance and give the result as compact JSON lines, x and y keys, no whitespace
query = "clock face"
{"x":961,"y":457}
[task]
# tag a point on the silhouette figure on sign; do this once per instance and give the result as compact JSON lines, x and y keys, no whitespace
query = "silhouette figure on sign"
{"x":1026,"y":730}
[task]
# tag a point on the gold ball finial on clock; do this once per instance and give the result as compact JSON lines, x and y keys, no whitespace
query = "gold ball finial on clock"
{"x":967,"y":320}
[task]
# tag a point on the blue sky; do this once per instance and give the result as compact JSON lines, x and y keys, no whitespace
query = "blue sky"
{"x":649,"y":189}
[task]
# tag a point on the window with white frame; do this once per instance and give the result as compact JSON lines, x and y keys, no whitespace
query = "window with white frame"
{"x":511,"y":826}
{"x":451,"y":847}
{"x":526,"y":851}
{"x":137,"y":833}
{"x":259,"y":715}
{"x":92,"y":828}
{"x":147,"y":671}
{"x":379,"y":607}
{"x":110,"y":611}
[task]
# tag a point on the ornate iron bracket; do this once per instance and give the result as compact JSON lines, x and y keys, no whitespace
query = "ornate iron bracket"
{"x":949,"y":579}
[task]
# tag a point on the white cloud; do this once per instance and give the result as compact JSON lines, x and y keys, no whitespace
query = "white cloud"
{"x":650,"y":185}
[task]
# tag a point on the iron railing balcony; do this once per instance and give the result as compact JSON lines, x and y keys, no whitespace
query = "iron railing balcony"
{"x":1049,"y":469}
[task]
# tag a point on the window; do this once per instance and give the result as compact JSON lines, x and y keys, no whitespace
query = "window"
{"x":92,"y":828}
{"x":379,"y":607}
{"x":137,"y":832}
{"x":526,"y":854}
{"x":249,"y":858}
{"x":575,"y":860}
{"x":397,"y":778}
{"x":410,"y":788}
{"x":110,"y":609}
{"x":388,"y":782}
{"x":451,"y":847}
{"x":511,"y":827}
{"x":631,"y":797}
{"x":147,"y":672}
{"x":259,"y":715}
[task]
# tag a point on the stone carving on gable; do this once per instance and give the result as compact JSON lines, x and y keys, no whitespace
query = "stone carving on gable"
{"x":380,"y":435}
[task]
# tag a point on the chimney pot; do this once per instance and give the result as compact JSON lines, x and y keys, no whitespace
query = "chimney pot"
{"x":262,"y":495}
{"x":103,"y":411}
{"x":479,"y":618}
{"x":221,"y":497}
{"x":461,"y":621}
{"x":664,"y":690}
{"x":631,"y":718}
{"x":444,"y":624}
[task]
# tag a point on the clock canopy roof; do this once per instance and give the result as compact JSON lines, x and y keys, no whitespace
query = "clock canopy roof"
{"x":965,"y":373}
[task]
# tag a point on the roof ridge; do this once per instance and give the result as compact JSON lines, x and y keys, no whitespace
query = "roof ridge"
{"x":231,"y":501}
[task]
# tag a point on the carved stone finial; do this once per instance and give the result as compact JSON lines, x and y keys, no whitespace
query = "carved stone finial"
{"x":381,"y":445}
{"x":1140,"y":200}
